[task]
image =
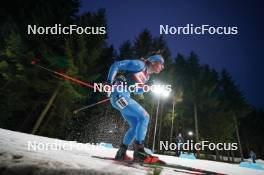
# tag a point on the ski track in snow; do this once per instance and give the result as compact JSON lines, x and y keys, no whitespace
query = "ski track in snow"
{"x":16,"y":158}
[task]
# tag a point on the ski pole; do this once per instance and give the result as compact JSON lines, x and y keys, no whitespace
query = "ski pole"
{"x":33,"y":62}
{"x":91,"y":105}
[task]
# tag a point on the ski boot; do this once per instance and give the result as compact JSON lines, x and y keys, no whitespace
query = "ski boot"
{"x":141,"y":156}
{"x":121,"y":153}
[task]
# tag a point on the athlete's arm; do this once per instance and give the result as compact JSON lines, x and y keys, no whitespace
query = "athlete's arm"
{"x":128,"y":65}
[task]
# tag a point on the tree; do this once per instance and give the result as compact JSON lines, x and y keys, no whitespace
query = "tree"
{"x":234,"y":102}
{"x":126,"y":50}
{"x":143,"y":44}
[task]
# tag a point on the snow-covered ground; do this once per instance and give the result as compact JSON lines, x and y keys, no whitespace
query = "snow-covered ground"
{"x":18,"y":156}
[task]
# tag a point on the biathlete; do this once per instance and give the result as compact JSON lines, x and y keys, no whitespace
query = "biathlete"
{"x":133,"y":72}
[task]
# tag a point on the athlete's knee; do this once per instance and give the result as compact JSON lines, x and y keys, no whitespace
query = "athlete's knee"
{"x":132,"y":125}
{"x":133,"y":130}
{"x":130,"y":134}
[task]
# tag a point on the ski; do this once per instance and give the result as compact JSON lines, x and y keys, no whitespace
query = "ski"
{"x":185,"y":171}
{"x":127,"y":163}
{"x":176,"y":167}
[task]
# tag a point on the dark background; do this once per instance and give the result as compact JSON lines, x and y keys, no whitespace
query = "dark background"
{"x":241,"y":55}
{"x":210,"y":100}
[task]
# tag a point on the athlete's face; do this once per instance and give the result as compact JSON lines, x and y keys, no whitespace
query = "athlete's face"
{"x":156,"y":67}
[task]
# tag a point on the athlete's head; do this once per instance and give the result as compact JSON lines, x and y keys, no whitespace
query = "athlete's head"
{"x":156,"y":63}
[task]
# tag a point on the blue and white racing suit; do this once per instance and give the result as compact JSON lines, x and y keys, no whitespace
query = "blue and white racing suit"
{"x":136,"y":71}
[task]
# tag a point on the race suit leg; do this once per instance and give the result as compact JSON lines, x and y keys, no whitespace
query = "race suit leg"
{"x":134,"y":114}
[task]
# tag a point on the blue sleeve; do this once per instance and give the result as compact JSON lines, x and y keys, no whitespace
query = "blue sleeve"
{"x":127,"y":65}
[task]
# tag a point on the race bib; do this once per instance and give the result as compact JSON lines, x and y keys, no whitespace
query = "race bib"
{"x":121,"y":102}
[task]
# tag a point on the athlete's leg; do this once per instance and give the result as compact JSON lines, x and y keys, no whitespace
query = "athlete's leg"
{"x":130,"y":134}
{"x":136,"y":116}
{"x":132,"y":121}
{"x":139,"y":117}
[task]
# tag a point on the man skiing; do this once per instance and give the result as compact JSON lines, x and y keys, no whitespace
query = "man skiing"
{"x":134,"y":72}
